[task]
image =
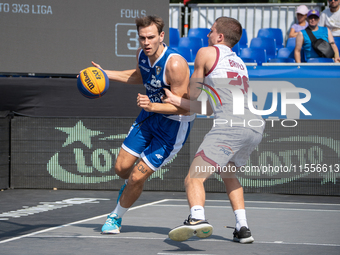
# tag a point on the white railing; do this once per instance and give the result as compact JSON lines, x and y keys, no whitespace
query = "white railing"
{"x":251,"y":16}
{"x":175,"y":16}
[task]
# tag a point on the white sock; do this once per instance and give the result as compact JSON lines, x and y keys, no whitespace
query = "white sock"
{"x":119,"y":210}
{"x":241,"y":220}
{"x":197,"y":212}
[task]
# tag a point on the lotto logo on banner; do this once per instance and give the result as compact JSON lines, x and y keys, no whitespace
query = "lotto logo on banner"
{"x":126,"y":43}
{"x":86,"y":156}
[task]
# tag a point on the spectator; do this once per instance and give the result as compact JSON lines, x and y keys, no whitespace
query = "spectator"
{"x":301,"y":15}
{"x":330,"y":17}
{"x":303,"y":40}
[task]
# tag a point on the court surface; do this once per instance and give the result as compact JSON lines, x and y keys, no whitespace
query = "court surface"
{"x":69,"y":222}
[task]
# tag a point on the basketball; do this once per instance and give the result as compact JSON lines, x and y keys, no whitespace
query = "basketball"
{"x":93,"y":82}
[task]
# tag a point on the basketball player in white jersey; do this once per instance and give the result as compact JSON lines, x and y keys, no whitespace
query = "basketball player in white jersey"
{"x":227,"y":145}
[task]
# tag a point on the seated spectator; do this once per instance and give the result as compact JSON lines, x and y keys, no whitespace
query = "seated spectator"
{"x":303,"y":40}
{"x":330,"y":17}
{"x":301,"y":15}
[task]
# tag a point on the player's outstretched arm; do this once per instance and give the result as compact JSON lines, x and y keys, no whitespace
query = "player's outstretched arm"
{"x":193,"y":106}
{"x":132,"y":76}
{"x":186,"y":104}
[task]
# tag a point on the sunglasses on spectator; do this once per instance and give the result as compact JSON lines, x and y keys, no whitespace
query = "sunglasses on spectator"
{"x":313,"y":17}
{"x":332,"y":0}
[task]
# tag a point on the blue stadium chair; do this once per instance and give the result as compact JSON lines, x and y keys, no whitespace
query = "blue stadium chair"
{"x":184,"y":52}
{"x":337,"y":42}
{"x":244,"y":39}
{"x":285,"y":53}
{"x":275,"y":33}
{"x":173,"y":37}
{"x":194,"y":43}
{"x":320,"y":60}
{"x":265,"y":43}
{"x":257,"y":54}
{"x":236,"y":49}
{"x":249,"y":60}
{"x":291,"y":42}
{"x":200,"y":32}
{"x":289,"y":53}
{"x":282,"y":60}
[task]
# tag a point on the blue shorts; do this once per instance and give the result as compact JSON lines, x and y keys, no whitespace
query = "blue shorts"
{"x":157,"y":138}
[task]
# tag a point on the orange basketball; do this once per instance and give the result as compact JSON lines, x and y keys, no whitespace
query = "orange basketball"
{"x":93,"y":82}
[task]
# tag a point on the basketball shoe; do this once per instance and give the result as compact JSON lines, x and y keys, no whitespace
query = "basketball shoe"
{"x":243,"y":235}
{"x":191,"y":227}
{"x":112,"y":225}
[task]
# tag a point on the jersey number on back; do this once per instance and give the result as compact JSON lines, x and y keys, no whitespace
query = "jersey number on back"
{"x":241,"y":81}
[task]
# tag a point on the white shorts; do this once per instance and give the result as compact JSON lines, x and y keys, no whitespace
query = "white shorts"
{"x":234,"y":144}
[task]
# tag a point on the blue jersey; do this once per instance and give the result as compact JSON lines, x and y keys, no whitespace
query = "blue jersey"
{"x":157,"y":138}
{"x":154,"y":76}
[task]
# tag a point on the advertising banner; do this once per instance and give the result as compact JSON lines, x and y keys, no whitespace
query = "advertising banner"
{"x":4,"y":150}
{"x":80,"y":153}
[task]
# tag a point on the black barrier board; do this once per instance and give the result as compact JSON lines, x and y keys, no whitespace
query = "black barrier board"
{"x":79,"y":153}
{"x":60,"y":98}
{"x":63,"y":37}
{"x":4,"y":152}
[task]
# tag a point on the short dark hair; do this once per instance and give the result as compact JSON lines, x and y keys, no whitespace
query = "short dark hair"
{"x":230,"y":28}
{"x":148,"y":21}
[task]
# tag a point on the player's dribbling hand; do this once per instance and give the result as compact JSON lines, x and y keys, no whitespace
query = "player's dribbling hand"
{"x":96,"y":65}
{"x":143,"y":101}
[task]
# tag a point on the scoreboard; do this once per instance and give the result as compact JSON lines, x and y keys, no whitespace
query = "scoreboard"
{"x":63,"y":37}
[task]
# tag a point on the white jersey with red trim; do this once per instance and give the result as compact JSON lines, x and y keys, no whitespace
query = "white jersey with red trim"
{"x":228,"y":80}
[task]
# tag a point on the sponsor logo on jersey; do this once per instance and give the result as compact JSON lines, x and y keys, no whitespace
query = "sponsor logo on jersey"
{"x":159,"y":156}
{"x":225,"y":149}
{"x":144,"y":68}
{"x":154,"y":82}
{"x":158,"y":70}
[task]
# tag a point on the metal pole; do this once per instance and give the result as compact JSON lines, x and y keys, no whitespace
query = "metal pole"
{"x":262,"y":15}
{"x":186,"y":23}
{"x":271,"y":16}
{"x":254,"y":22}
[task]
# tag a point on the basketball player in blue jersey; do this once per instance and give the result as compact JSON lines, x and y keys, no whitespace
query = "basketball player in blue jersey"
{"x":161,"y":129}
{"x":226,"y":146}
